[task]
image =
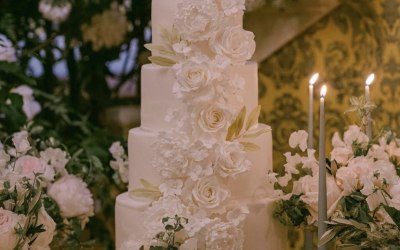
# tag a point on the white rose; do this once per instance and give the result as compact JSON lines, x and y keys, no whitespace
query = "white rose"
{"x":231,"y":159}
{"x":30,"y":106}
{"x":235,"y":43}
{"x":194,"y":81}
{"x":21,"y":142}
{"x":57,"y":158}
{"x":72,"y":196}
{"x":298,"y":138}
{"x":308,"y":186}
{"x":232,"y":6}
{"x":197,"y":20}
{"x":224,"y":236}
{"x":44,"y":239}
{"x":8,"y":222}
{"x":213,"y":118}
{"x":28,"y":166}
{"x":7,"y":51}
{"x":208,"y":192}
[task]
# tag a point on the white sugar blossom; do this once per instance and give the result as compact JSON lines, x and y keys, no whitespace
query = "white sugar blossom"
{"x":54,"y":12}
{"x":21,"y":143}
{"x":182,"y":48}
{"x":237,"y":215}
{"x":72,"y":196}
{"x":197,"y":20}
{"x":171,"y":187}
{"x":299,"y":139}
{"x":234,"y":43}
{"x":231,"y":159}
{"x":194,"y":80}
{"x":120,"y":162}
{"x":225,"y":236}
{"x":232,"y":6}
{"x":56,"y":158}
{"x":8,"y":222}
{"x":44,"y":238}
{"x":30,"y":106}
{"x":209,"y":193}
{"x":7,"y":50}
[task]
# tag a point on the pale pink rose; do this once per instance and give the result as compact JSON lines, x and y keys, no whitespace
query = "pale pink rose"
{"x":72,"y":196}
{"x":28,"y":166}
{"x":44,"y":239}
{"x":8,"y":222}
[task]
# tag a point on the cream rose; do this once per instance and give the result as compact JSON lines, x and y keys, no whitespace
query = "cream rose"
{"x":208,"y":193}
{"x":212,"y":118}
{"x":44,"y":239}
{"x":8,"y":222}
{"x":197,"y":20}
{"x":231,"y":159}
{"x":234,"y":43}
{"x":72,"y":196}
{"x":28,"y":166}
{"x":224,"y":236}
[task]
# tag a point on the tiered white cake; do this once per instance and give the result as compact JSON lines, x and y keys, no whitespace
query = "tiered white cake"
{"x":182,"y":145}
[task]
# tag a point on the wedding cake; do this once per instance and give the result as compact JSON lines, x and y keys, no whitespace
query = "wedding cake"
{"x":200,"y":156}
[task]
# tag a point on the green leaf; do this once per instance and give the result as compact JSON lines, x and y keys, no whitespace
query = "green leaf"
{"x":235,"y":128}
{"x":162,"y":61}
{"x":252,"y":120}
{"x":394,"y":214}
{"x":327,"y":236}
{"x":249,"y":146}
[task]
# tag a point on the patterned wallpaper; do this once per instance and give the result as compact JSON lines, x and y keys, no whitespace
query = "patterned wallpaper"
{"x":357,"y":38}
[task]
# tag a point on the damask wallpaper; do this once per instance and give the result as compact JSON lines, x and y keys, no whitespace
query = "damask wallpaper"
{"x":357,"y":38}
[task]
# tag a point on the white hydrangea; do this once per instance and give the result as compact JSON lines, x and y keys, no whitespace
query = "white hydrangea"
{"x":54,"y":12}
{"x":30,"y":106}
{"x":7,"y":50}
{"x":72,"y":196}
{"x":225,"y":236}
{"x":231,"y":159}
{"x":197,"y":20}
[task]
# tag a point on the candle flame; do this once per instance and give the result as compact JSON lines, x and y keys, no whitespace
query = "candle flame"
{"x":370,"y":79}
{"x":314,"y":78}
{"x":323,"y":91}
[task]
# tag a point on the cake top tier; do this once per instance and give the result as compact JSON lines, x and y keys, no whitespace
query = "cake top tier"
{"x":201,"y":15}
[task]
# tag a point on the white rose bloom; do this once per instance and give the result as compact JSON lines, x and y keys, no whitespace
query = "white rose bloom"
{"x":208,"y":193}
{"x":308,"y":186}
{"x":7,"y":51}
{"x":234,"y":43}
{"x":44,"y":239}
{"x":232,"y":6}
{"x":8,"y":222}
{"x":197,"y":20}
{"x":57,"y":158}
{"x":21,"y":142}
{"x":224,"y":236}
{"x":55,"y":13}
{"x":72,"y":196}
{"x":231,"y":159}
{"x":30,"y":106}
{"x":298,"y":138}
{"x":28,"y":166}
{"x":212,"y":118}
{"x":194,"y":81}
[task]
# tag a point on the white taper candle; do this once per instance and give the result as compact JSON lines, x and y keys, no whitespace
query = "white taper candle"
{"x":368,"y":82}
{"x":322,"y":199}
{"x":313,"y":80}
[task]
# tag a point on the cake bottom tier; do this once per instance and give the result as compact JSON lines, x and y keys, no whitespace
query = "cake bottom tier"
{"x":262,"y":231}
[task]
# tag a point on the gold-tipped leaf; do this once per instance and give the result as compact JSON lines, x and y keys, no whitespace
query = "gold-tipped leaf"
{"x":148,"y":191}
{"x":252,"y":120}
{"x":255,"y":133}
{"x":162,"y":61}
{"x":249,"y":146}
{"x":235,"y":128}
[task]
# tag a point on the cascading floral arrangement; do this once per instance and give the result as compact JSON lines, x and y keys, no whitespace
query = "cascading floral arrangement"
{"x":42,"y":204}
{"x":363,"y":183}
{"x":207,"y":146}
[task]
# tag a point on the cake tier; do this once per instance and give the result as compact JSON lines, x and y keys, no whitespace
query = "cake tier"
{"x":261,"y":230}
{"x":163,"y":13}
{"x":142,"y":152}
{"x":157,"y":96}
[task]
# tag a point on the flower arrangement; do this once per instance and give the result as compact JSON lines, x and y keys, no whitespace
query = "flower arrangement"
{"x":42,"y":204}
{"x":362,"y":186}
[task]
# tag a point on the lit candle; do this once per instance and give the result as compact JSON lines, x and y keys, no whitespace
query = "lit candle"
{"x":322,"y":200}
{"x":368,"y":82}
{"x":312,"y":81}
